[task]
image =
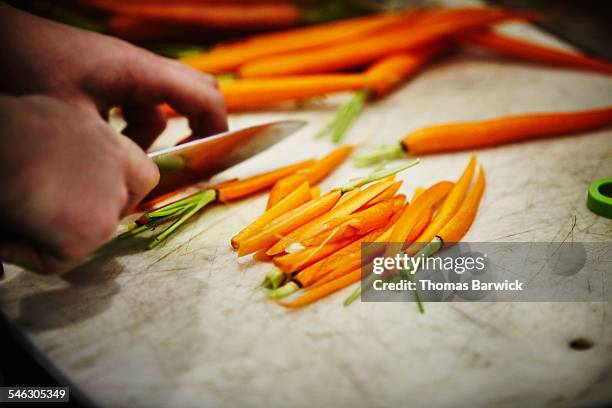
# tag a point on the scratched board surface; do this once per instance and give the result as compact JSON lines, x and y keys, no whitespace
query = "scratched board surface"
{"x":186,"y":325}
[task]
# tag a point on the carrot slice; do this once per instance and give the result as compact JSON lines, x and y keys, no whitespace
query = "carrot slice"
{"x":241,"y":188}
{"x":461,"y":222}
{"x":288,"y":222}
{"x":417,"y":209}
{"x":468,"y":135}
{"x":316,"y":191}
{"x":451,"y":203}
{"x":298,"y":197}
{"x":346,"y":208}
{"x":294,"y":262}
{"x":325,"y":290}
{"x":283,"y":187}
{"x":385,"y":195}
{"x":533,"y":52}
{"x":347,"y":196}
{"x":322,"y":168}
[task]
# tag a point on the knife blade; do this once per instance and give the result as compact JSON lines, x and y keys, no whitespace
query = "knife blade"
{"x":201,"y":159}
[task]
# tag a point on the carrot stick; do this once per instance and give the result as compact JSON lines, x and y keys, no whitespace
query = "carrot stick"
{"x":347,"y":196}
{"x":450,"y":205}
{"x":226,"y":58}
{"x":461,"y":222}
{"x":417,"y":192}
{"x":468,"y":135}
{"x":342,"y":56}
{"x":210,"y":15}
{"x":288,"y":222}
{"x":261,"y":256}
{"x":327,"y":164}
{"x":417,"y":209}
{"x":242,"y":94}
{"x":293,"y":200}
{"x":315,"y":191}
{"x":242,"y":188}
{"x":325,"y":290}
{"x":385,"y":195}
{"x":420,"y":225}
{"x":283,"y":187}
{"x":347,"y":208}
{"x":298,"y":260}
{"x":533,"y":52}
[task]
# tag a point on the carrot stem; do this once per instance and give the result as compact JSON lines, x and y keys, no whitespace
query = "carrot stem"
{"x":380,"y":154}
{"x":273,"y":279}
{"x":285,"y":290}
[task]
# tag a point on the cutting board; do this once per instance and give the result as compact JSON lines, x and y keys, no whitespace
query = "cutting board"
{"x":186,"y":324}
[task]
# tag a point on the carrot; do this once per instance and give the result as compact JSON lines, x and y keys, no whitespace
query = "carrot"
{"x":242,"y":94}
{"x":327,"y":164}
{"x":284,"y":187}
{"x":293,"y":200}
{"x":347,"y":196}
{"x":420,"y":225}
{"x":451,"y":203}
{"x":358,"y":223}
{"x":315,"y":191}
{"x":346,"y":208}
{"x":459,"y":136}
{"x":533,"y":52}
{"x":461,"y":222}
{"x":241,"y":188}
{"x":261,"y":256}
{"x":288,"y":222}
{"x":417,"y":192}
{"x":325,"y":290}
{"x":417,"y":209}
{"x":228,"y":57}
{"x":342,"y":56}
{"x":210,"y":15}
{"x":390,"y":71}
{"x":298,"y":260}
{"x":388,"y":193}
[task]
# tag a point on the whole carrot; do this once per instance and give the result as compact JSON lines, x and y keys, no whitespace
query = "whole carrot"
{"x":288,"y":222}
{"x":533,"y":52}
{"x":299,"y":196}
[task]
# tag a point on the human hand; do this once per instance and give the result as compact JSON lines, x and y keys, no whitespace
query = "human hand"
{"x":95,"y":72}
{"x":67,"y":179}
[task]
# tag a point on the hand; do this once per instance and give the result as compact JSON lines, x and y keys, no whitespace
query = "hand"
{"x":95,"y":72}
{"x":67,"y":179}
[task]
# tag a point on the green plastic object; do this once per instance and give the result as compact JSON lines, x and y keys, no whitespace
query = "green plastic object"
{"x":599,"y":199}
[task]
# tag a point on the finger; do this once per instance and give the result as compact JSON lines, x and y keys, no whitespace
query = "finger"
{"x":141,"y":174}
{"x":31,"y":257}
{"x":195,"y":95}
{"x":144,"y":123}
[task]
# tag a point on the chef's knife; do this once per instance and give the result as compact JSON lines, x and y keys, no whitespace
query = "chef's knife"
{"x":201,"y":159}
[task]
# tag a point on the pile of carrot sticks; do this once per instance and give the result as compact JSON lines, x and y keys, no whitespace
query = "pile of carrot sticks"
{"x":315,"y":242}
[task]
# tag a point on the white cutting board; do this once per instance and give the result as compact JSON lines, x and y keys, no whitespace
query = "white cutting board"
{"x":186,"y":325}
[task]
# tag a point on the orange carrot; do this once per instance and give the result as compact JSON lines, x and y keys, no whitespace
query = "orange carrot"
{"x":347,"y":196}
{"x":261,"y":256}
{"x":242,"y":94}
{"x":241,"y":188}
{"x":385,"y":195}
{"x":451,"y":203}
{"x":324,"y":290}
{"x":283,"y":187}
{"x":533,"y":52}
{"x":293,"y":200}
{"x":468,"y":135}
{"x":288,"y":222}
{"x":211,"y":15}
{"x":417,"y":192}
{"x":228,"y":57}
{"x":327,"y":164}
{"x":417,"y":209}
{"x":342,"y":56}
{"x":315,"y":191}
{"x":346,"y":208}
{"x":298,"y":260}
{"x":420,"y":225}
{"x":461,"y":222}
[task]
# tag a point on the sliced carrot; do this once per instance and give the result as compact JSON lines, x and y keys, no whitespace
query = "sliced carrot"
{"x":533,"y":52}
{"x":261,"y":256}
{"x":469,"y":135}
{"x":228,"y":57}
{"x":242,"y":188}
{"x":346,"y":208}
{"x":420,"y":225}
{"x":315,"y":191}
{"x":451,"y":203}
{"x":347,"y":196}
{"x":417,"y":192}
{"x":418,"y":208}
{"x":342,"y":56}
{"x":283,"y":187}
{"x":298,"y":260}
{"x":385,"y":195}
{"x":461,"y":222}
{"x":322,"y":168}
{"x":288,"y":222}
{"x":325,"y":290}
{"x":295,"y":199}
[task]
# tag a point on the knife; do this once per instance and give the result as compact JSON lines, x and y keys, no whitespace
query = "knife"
{"x":202,"y":158}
